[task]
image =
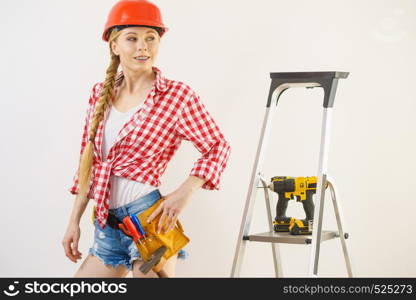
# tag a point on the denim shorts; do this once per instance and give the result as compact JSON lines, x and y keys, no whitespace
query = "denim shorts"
{"x":112,"y":246}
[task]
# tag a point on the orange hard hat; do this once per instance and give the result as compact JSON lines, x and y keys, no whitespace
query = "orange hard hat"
{"x":134,"y":13}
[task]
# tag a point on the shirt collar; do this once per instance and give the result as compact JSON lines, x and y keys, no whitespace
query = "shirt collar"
{"x":161,"y":81}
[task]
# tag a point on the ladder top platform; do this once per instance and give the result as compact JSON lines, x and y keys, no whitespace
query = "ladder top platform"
{"x":308,"y":75}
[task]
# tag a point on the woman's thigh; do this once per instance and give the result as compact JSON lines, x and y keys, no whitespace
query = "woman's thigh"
{"x":92,"y":266}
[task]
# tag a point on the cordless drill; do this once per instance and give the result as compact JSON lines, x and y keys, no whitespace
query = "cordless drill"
{"x":287,"y":188}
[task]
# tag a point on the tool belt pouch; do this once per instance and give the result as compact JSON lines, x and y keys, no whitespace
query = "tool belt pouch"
{"x":174,"y":239}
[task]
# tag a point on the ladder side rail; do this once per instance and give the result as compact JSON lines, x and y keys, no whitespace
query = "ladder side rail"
{"x":254,"y":182}
{"x":329,"y":87}
{"x":340,"y":221}
{"x":277,"y":261}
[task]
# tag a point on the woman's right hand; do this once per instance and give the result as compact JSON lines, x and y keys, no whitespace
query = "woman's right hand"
{"x":70,"y":242}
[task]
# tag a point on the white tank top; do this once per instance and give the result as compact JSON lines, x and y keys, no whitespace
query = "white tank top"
{"x":123,"y":190}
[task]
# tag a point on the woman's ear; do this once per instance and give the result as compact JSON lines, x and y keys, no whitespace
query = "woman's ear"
{"x":114,"y":48}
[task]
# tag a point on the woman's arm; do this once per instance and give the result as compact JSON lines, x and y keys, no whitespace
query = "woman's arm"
{"x":196,"y":125}
{"x":175,"y":202}
{"x":192,"y":184}
{"x":73,"y":232}
{"x":78,"y":209}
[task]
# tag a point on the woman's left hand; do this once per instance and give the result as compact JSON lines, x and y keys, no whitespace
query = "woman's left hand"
{"x":171,"y":207}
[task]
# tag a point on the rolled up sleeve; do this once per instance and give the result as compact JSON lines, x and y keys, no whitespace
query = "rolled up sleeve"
{"x":196,"y":125}
{"x":74,"y":189}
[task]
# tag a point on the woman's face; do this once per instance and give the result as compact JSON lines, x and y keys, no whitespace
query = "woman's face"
{"x":134,"y":42}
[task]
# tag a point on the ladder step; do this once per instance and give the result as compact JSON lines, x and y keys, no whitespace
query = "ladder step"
{"x":287,"y":238}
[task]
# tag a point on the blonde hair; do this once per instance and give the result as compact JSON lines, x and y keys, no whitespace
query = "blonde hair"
{"x":103,"y":103}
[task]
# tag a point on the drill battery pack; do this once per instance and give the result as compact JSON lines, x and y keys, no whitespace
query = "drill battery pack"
{"x":282,"y":224}
{"x":293,"y":225}
{"x":299,"y":227}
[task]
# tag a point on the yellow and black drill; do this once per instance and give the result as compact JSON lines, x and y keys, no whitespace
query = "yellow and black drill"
{"x":301,"y":188}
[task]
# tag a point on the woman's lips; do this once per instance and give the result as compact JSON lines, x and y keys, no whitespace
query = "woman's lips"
{"x":142,"y":60}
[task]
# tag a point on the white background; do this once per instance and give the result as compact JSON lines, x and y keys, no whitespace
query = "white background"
{"x":52,"y":54}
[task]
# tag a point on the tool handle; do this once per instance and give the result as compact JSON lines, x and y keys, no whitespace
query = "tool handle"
{"x":124,"y":229}
{"x":281,"y":205}
{"x":136,"y":222}
{"x":308,"y":205}
{"x":131,"y":229}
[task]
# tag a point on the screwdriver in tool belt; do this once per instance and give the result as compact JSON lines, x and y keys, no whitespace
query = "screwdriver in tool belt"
{"x":136,"y":222}
{"x":130,"y":229}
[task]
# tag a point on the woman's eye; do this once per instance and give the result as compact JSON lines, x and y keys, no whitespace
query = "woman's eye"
{"x":149,"y":38}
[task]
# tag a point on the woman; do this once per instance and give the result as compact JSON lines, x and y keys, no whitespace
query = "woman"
{"x":135,"y":122}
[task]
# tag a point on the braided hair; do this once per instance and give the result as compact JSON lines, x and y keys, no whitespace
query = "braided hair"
{"x":103,"y":103}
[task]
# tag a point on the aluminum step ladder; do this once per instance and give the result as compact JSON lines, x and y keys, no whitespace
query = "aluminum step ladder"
{"x":279,"y":83}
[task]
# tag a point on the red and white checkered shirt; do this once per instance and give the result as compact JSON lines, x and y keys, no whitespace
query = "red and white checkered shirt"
{"x":172,"y":112}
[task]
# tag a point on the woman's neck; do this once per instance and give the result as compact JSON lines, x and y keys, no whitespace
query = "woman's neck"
{"x":134,"y":82}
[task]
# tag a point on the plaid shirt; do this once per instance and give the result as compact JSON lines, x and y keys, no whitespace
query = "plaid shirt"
{"x":172,"y":112}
